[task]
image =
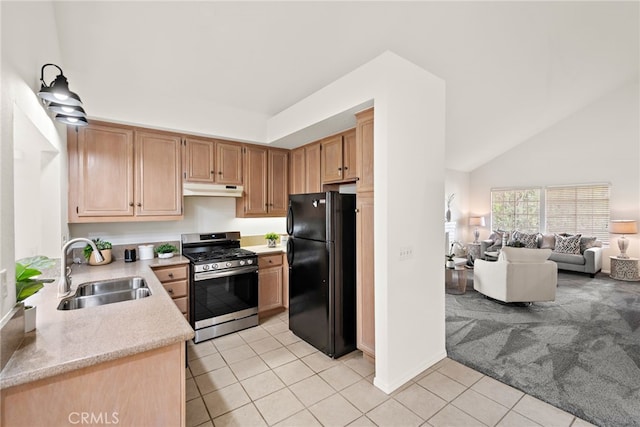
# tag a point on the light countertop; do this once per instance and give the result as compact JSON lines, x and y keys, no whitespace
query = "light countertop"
{"x":68,"y":340}
{"x":264,"y":249}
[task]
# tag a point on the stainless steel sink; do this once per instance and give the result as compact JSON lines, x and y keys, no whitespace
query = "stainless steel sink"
{"x":106,"y":292}
{"x":113,"y":285}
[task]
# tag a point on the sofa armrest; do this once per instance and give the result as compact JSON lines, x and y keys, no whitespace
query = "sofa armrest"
{"x":593,"y":260}
{"x":484,"y":246}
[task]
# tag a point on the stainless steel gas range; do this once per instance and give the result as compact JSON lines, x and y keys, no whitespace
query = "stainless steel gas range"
{"x":223,"y":284}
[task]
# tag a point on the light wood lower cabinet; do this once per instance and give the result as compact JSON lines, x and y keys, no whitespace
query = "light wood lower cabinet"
{"x":270,"y":283}
{"x":141,"y":390}
{"x":175,"y":279}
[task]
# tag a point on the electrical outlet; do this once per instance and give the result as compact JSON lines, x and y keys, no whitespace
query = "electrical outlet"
{"x":406,"y":252}
{"x":4,"y":286}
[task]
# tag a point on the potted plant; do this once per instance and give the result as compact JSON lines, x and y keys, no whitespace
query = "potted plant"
{"x":272,"y":239}
{"x":105,"y":249}
{"x":166,"y":250}
{"x":26,"y":285}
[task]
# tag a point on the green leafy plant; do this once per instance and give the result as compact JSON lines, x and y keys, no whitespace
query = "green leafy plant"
{"x":166,"y":248}
{"x":271,"y":236}
{"x":26,"y":269}
{"x":100,"y":244}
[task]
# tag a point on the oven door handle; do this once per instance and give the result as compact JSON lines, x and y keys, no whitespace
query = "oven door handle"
{"x":218,"y":274}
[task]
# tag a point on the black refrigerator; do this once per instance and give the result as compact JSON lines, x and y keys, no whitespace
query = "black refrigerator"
{"x":321,"y":252}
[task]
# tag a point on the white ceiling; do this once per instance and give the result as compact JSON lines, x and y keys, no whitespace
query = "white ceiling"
{"x":511,"y":69}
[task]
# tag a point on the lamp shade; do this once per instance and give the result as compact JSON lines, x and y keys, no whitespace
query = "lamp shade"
{"x":478,"y":221}
{"x":59,"y":92}
{"x":72,"y":120}
{"x":67,"y":110}
{"x":624,"y":227}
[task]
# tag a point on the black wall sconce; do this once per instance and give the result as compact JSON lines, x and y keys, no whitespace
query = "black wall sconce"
{"x":60,"y":100}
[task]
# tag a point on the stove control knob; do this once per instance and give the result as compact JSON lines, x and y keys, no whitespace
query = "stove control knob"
{"x":249,"y":261}
{"x":205,"y":267}
{"x":228,"y":264}
{"x":242,"y":262}
{"x":215,"y":266}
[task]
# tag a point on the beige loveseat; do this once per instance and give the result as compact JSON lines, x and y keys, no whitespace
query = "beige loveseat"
{"x":519,"y":275}
{"x":586,"y":258}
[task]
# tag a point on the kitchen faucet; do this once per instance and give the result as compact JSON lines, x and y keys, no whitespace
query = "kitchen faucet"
{"x":64,"y":287}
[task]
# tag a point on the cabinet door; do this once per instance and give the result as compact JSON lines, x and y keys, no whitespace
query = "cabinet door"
{"x":298,"y":182}
{"x":199,"y":160}
{"x":312,"y":168}
{"x":331,"y":163}
{"x":228,"y":163}
{"x":158,"y":180}
{"x":365,"y":301}
{"x":104,"y":164}
{"x":270,"y":288}
{"x":255,"y":181}
{"x":364,"y":143}
{"x":349,"y":149}
{"x":278,"y":182}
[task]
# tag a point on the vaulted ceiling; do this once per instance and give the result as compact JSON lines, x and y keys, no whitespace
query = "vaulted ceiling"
{"x":511,"y":69}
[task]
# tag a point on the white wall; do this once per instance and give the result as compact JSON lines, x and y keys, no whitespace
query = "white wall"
{"x":28,"y":42}
{"x":600,"y":143}
{"x":409,"y":183}
{"x":201,"y":214}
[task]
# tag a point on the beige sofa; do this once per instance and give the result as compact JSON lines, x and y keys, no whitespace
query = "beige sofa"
{"x":519,"y":275}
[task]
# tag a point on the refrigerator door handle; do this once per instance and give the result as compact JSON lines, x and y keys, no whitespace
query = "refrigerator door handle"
{"x":290,"y":221}
{"x":290,"y":252}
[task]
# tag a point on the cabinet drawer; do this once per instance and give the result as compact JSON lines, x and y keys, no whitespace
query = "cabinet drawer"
{"x":170,"y":274}
{"x":176,"y":289}
{"x":182,"y":304}
{"x":266,"y":261}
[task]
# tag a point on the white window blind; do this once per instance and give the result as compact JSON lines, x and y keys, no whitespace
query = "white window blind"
{"x":580,"y":209}
{"x":516,"y":209}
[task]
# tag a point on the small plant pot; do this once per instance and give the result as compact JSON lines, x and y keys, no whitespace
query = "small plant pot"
{"x":29,"y":318}
{"x":271,"y":243}
{"x":106,"y":254}
{"x":166,"y":255}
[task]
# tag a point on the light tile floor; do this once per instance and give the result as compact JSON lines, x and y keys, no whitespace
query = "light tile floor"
{"x":268,"y":376}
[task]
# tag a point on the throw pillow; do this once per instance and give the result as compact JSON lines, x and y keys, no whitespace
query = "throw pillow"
{"x":547,"y":241}
{"x":586,"y":243}
{"x":568,"y":245}
{"x":529,"y":240}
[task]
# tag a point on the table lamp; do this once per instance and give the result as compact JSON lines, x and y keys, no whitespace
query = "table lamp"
{"x":623,"y":227}
{"x":477,"y":221}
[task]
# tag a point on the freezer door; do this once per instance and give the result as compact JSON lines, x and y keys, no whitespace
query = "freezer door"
{"x":307,"y":217}
{"x":310,"y":296}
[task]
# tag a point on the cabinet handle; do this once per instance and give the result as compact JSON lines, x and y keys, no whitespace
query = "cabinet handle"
{"x":138,"y":204}
{"x":212,"y":172}
{"x":219,"y":172}
{"x":270,"y":261}
{"x":346,"y":167}
{"x":357,"y":210}
{"x":130,"y":203}
{"x":170,"y":290}
{"x":170,"y":275}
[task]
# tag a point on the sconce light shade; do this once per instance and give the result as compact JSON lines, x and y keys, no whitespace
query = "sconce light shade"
{"x":623,"y":227}
{"x":59,"y":91}
{"x":72,"y":120}
{"x":67,"y":110}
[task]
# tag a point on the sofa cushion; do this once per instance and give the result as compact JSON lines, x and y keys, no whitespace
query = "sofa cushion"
{"x":529,"y":240}
{"x":586,"y":243}
{"x":568,"y":245}
{"x":547,"y":241}
{"x":577,"y":259}
{"x":524,"y":255}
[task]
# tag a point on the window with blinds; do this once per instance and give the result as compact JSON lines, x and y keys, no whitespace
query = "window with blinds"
{"x":580,"y":209}
{"x":516,"y":209}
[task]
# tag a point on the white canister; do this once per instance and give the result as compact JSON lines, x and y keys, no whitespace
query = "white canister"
{"x":283,"y":240}
{"x":145,"y":252}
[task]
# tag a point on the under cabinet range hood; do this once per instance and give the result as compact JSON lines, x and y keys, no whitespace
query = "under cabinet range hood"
{"x":211,"y":190}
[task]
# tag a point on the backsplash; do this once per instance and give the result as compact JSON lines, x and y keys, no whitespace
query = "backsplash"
{"x":117,"y":251}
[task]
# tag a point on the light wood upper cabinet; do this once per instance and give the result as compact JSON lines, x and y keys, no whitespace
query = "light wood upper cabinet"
{"x":338,"y":158}
{"x":119,"y":173}
{"x":101,"y":173}
{"x":213,"y":161}
{"x":278,"y":188}
{"x":266,"y":183}
{"x":364,"y":147}
{"x":228,"y":163}
{"x":298,"y":180}
{"x":158,"y":183}
{"x":312,"y":168}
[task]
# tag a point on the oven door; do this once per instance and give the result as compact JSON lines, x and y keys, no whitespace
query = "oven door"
{"x":222,"y":296}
